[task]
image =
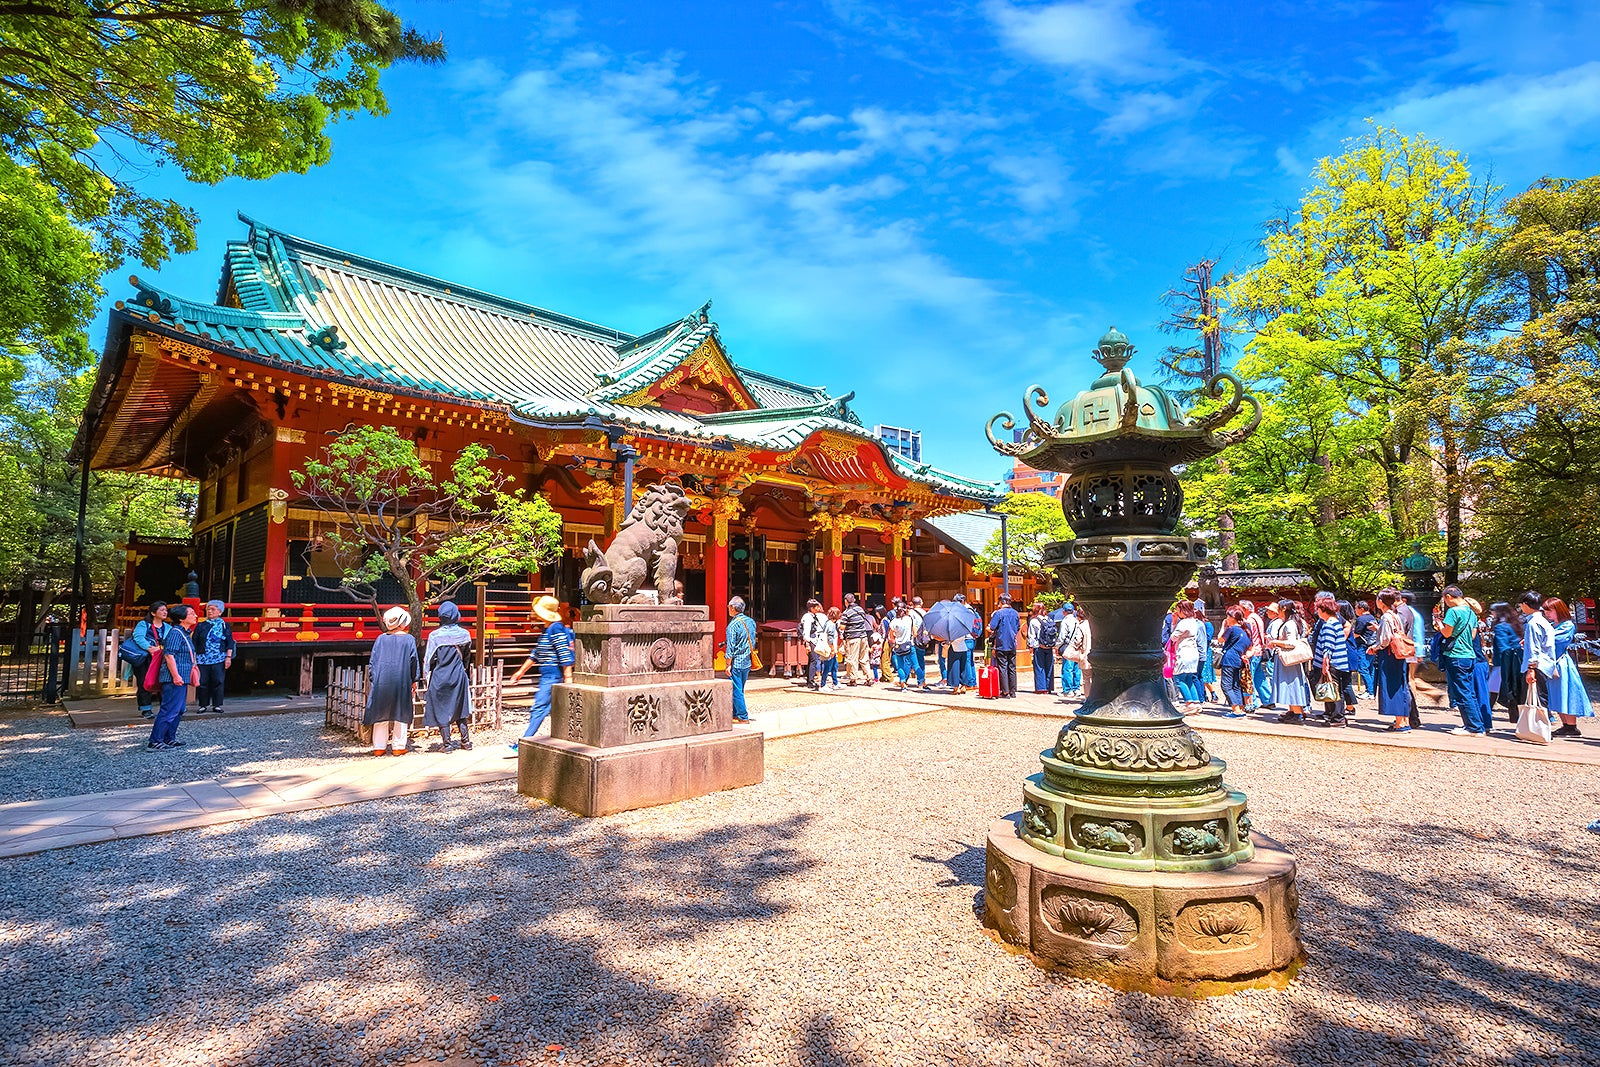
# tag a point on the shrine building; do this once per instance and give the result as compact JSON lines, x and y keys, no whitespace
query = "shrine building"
{"x":793,"y":495}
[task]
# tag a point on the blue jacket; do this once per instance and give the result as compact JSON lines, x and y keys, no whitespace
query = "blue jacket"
{"x":1005,"y":623}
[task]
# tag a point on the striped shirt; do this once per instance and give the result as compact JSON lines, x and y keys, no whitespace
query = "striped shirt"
{"x":1332,"y":647}
{"x":553,"y":650}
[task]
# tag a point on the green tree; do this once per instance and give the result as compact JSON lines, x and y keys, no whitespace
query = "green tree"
{"x":40,"y":413}
{"x":1034,"y":521}
{"x":1303,"y":490}
{"x":1537,"y":479}
{"x":1379,"y":284}
{"x":434,"y":536}
{"x":92,"y":92}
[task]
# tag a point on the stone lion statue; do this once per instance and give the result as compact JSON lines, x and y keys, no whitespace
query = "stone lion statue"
{"x":645,"y":548}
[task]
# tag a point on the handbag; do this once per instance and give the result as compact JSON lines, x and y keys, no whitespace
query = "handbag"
{"x":1327,"y":691}
{"x":1533,"y":721}
{"x":1297,"y":653}
{"x":152,"y":673}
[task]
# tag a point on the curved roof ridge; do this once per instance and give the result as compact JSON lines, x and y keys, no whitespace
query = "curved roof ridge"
{"x":441,"y":288}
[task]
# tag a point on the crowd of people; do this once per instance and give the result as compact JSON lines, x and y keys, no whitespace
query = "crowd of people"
{"x":1276,"y":659}
{"x":891,"y":644}
{"x":1301,"y":668}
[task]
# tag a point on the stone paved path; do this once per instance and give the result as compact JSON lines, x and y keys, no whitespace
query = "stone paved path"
{"x":38,"y":825}
{"x":1365,"y":728}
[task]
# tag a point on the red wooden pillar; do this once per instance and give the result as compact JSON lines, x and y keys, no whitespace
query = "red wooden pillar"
{"x":277,"y":521}
{"x":833,"y":568}
{"x":723,"y":509}
{"x":894,"y":570}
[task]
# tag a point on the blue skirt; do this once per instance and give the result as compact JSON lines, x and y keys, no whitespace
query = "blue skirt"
{"x":1567,"y":695}
{"x":1290,"y":688}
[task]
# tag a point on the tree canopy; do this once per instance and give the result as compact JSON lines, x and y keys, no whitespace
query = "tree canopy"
{"x":1034,"y":521}
{"x":395,"y":518}
{"x":95,"y":92}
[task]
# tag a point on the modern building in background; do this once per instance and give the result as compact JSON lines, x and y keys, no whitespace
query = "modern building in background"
{"x":907,"y":443}
{"x":1022,"y":478}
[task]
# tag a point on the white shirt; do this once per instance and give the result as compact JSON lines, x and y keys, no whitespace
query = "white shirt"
{"x":1186,"y":638}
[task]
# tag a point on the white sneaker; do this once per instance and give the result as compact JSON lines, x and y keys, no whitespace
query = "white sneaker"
{"x":1461,"y":731}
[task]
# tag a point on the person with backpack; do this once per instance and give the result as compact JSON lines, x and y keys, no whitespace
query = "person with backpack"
{"x":177,"y":672}
{"x":1406,"y":609}
{"x":1390,"y":650}
{"x":855,"y":634}
{"x":810,"y":629}
{"x":136,"y":651}
{"x":921,"y":640}
{"x":1043,"y":633}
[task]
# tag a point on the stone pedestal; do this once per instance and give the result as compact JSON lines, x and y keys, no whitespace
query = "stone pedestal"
{"x":1164,"y":932}
{"x":645,"y":721}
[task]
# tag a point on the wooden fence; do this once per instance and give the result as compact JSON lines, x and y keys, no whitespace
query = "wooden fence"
{"x":347,"y":699}
{"x":93,"y":669}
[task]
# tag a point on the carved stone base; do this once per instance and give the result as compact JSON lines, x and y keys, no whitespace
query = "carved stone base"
{"x":598,"y":781}
{"x":1193,"y":934}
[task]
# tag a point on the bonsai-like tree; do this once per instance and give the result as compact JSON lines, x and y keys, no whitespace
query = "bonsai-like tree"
{"x":394,"y":518}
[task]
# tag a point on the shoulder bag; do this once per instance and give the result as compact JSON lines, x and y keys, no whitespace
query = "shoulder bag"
{"x":1533,"y":720}
{"x":1298,"y":651}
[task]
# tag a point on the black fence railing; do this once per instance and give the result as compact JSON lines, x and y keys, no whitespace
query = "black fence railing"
{"x":36,"y":676}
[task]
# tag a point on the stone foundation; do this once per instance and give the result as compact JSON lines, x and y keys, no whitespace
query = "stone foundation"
{"x":645,"y":721}
{"x":1188,"y":934}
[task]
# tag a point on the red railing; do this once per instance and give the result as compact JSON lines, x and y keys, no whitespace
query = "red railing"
{"x":279,"y":623}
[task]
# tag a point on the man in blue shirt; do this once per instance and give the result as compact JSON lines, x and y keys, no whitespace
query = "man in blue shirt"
{"x":178,"y":672}
{"x":740,"y":643}
{"x":1004,"y":625}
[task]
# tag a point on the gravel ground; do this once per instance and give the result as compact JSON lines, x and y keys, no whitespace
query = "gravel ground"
{"x":825,"y":917}
{"x":42,"y":756}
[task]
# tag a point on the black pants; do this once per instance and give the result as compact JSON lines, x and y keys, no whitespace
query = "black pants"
{"x":813,"y":669}
{"x":1334,"y":710}
{"x":1007,"y":664}
{"x":210,"y":694}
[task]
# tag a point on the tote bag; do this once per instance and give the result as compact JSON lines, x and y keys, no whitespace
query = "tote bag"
{"x":1533,"y":721}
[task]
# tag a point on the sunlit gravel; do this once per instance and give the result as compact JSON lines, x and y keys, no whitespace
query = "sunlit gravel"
{"x":827,"y":916}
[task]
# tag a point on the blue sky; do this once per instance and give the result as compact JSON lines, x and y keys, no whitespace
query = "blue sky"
{"x":935,"y":205}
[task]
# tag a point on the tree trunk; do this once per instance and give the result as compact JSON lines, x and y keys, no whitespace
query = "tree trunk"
{"x":1450,"y":460}
{"x":1225,"y":541}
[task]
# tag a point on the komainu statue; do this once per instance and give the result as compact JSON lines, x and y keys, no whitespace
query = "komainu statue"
{"x":645,"y":548}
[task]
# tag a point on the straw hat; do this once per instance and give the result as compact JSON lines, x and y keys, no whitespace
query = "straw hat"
{"x":547,"y":608}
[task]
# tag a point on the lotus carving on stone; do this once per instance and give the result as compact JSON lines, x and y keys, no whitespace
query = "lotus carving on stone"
{"x":1091,"y":919}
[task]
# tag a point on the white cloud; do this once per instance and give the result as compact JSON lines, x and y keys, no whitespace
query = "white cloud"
{"x":1138,"y":111}
{"x":1513,"y":114}
{"x":1097,"y":38}
{"x":810,"y":123}
{"x":1038,"y":183}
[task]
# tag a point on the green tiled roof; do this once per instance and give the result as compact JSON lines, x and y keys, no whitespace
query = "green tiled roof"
{"x":338,"y":313}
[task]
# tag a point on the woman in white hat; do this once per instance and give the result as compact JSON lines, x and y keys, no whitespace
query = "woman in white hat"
{"x":392,"y":684}
{"x":552,"y":651}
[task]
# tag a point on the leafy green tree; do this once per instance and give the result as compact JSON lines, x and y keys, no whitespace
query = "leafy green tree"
{"x":1034,"y":521}
{"x":40,"y":414}
{"x":94,"y":91}
{"x":1379,"y":284}
{"x":395,"y":518}
{"x":1537,"y":479}
{"x":1304,"y":490}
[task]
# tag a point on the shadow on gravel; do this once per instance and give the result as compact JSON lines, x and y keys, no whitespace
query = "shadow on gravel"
{"x":515,"y":928}
{"x":1453,"y":982}
{"x":966,"y":867}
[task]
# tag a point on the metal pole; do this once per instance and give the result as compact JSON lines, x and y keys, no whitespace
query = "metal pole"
{"x":1005,"y":556}
{"x":80,"y":584}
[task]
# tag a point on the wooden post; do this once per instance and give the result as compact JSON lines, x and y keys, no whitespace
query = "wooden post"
{"x":306,"y":664}
{"x":480,"y":642}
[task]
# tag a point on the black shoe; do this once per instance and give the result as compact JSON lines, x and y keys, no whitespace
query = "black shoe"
{"x":1567,"y":730}
{"x":466,"y":746}
{"x":154,"y":746}
{"x":1291,"y":718}
{"x":148,"y":714}
{"x":174,"y":744}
